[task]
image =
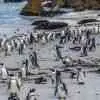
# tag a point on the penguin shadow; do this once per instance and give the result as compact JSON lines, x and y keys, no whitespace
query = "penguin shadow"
{"x":8,"y":55}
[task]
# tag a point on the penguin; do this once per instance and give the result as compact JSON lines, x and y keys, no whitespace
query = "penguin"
{"x":18,"y":43}
{"x":13,"y":86}
{"x":15,"y":44}
{"x":58,"y":52}
{"x":31,"y":57}
{"x":61,"y":94}
{"x":4,"y":73}
{"x":6,"y":50}
{"x":54,"y":36}
{"x":44,"y":39}
{"x":92,"y":44}
{"x":32,"y":95}
{"x":53,"y":75}
{"x":19,"y":79}
{"x":26,"y":65}
{"x":31,"y":38}
{"x":83,"y":40}
{"x":36,"y":37}
{"x":28,"y":39}
{"x":49,"y":36}
{"x":9,"y":47}
{"x":58,"y":81}
{"x":84,"y":51}
{"x":3,"y":42}
{"x":35,"y":59}
{"x":80,"y":76}
{"x":21,"y":48}
{"x":62,"y":38}
{"x":12,"y":43}
{"x":23,"y":71}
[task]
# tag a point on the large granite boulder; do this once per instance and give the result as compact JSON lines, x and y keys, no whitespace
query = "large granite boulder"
{"x":34,"y":8}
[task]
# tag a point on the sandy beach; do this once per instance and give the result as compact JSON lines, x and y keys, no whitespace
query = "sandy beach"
{"x":46,"y":56}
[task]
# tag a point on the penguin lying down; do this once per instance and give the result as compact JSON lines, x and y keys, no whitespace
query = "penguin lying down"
{"x":13,"y":97}
{"x":32,"y":95}
{"x":81,"y":83}
{"x":75,"y":48}
{"x":40,"y":80}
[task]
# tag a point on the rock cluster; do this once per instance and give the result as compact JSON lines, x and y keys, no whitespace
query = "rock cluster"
{"x":33,"y":8}
{"x":82,"y":4}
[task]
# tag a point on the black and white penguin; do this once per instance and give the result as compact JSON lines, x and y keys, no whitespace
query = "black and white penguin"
{"x":4,"y":73}
{"x":58,"y":52}
{"x":63,"y":37}
{"x":84,"y":51}
{"x":44,"y":41}
{"x":35,"y":59}
{"x":31,"y":38}
{"x":23,"y":72}
{"x":62,"y":92}
{"x":15,"y":44}
{"x":13,"y":86}
{"x":21,"y":48}
{"x":80,"y":76}
{"x":9,"y":46}
{"x":32,"y":95}
{"x":92,"y":44}
{"x":49,"y":36}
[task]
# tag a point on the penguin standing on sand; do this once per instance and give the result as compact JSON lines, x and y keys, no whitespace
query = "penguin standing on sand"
{"x":26,"y":66}
{"x":4,"y":73}
{"x":58,"y":81}
{"x":31,"y":57}
{"x":21,"y":48}
{"x":92,"y":44}
{"x":59,"y":56}
{"x":35,"y":59}
{"x":15,"y":44}
{"x":3,"y":42}
{"x":49,"y":36}
{"x":44,"y":39}
{"x":53,"y":80}
{"x":23,"y":71}
{"x":84,"y":51}
{"x":62,"y":38}
{"x":13,"y":86}
{"x":31,"y":38}
{"x":62,"y":92}
{"x":54,"y":36}
{"x":6,"y":50}
{"x":80,"y":76}
{"x":9,"y":47}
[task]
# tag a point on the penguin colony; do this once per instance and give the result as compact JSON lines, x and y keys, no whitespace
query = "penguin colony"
{"x":82,"y":42}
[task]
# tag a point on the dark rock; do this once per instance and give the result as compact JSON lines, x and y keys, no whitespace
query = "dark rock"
{"x":87,"y":21}
{"x":51,"y":25}
{"x":76,"y":48}
{"x":39,"y":22}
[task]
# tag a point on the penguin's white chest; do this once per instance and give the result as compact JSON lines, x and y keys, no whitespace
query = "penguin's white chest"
{"x":4,"y":73}
{"x":13,"y":86}
{"x":43,"y":40}
{"x":81,"y":78}
{"x":23,"y":72}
